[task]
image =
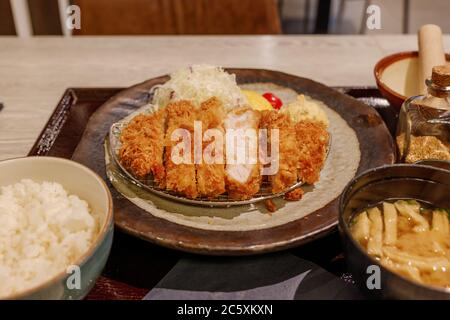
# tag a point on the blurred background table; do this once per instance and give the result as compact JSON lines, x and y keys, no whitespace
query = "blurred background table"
{"x":34,"y":72}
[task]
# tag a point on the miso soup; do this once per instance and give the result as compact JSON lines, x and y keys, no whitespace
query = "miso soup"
{"x":409,"y":238}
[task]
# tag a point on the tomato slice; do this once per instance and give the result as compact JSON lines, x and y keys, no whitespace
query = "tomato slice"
{"x":273,"y":100}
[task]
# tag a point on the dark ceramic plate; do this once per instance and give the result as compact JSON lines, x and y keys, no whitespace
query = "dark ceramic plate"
{"x":375,"y":146}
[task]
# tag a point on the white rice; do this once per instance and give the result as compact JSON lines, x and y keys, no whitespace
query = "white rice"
{"x":43,"y":230}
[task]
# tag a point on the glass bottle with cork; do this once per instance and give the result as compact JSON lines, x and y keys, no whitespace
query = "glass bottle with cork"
{"x":423,"y":131}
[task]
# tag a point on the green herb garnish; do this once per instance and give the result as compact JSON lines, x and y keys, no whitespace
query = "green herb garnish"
{"x":446,"y":211}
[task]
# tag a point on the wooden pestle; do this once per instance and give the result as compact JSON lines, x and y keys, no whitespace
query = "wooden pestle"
{"x":431,"y":53}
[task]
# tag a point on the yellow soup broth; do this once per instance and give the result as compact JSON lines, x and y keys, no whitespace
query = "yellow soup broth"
{"x":408,"y":238}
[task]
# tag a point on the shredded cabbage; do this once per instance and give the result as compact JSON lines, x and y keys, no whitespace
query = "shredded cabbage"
{"x":199,"y":83}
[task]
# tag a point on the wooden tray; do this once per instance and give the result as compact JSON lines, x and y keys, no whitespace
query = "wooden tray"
{"x":135,"y":266}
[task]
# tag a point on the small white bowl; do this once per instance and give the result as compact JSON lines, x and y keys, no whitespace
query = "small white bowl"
{"x":83,"y":182}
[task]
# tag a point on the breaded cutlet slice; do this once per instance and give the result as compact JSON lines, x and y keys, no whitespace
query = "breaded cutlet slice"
{"x":180,"y":177}
{"x":288,"y":156}
{"x":143,"y":146}
{"x":312,"y":140}
{"x":243,"y":180}
{"x":211,"y":175}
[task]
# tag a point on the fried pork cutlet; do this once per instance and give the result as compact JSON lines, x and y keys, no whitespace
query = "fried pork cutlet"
{"x":243,"y":178}
{"x":180,"y":177}
{"x":294,"y":195}
{"x":142,"y":146}
{"x":211,"y":175}
{"x":312,"y":138}
{"x":287,"y":150}
{"x":270,"y":205}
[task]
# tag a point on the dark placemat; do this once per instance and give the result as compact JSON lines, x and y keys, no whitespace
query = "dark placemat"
{"x":276,"y":276}
{"x":135,"y":266}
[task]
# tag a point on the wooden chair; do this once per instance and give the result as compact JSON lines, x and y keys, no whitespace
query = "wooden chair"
{"x":133,"y":17}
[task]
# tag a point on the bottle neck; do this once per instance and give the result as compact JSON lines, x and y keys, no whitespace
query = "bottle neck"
{"x":437,"y":91}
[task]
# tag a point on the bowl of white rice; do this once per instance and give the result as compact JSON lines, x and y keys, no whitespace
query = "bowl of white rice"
{"x":56,"y":228}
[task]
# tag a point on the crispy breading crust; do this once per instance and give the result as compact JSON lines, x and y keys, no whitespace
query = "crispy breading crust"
{"x":211,"y":177}
{"x":181,"y":177}
{"x":312,"y":138}
{"x":288,"y":149}
{"x":294,"y":195}
{"x":142,"y":146}
{"x":270,"y":205}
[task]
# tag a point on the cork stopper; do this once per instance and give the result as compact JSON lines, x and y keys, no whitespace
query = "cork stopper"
{"x":441,"y":76}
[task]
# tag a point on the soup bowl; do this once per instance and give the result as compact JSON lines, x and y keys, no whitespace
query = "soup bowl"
{"x":421,"y":182}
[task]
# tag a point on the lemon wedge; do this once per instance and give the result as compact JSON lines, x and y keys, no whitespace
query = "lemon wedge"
{"x":257,"y":101}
